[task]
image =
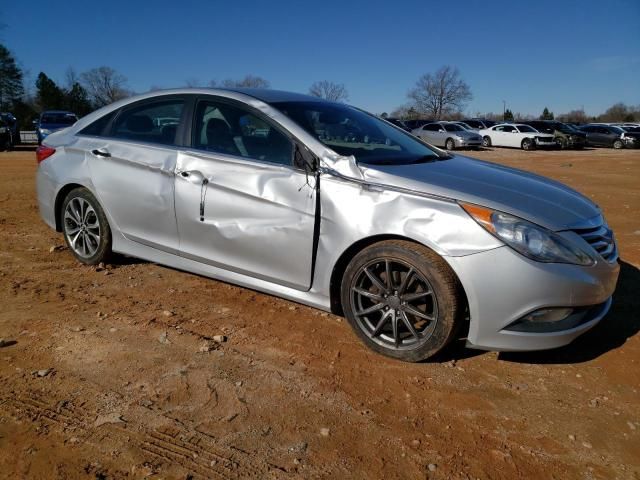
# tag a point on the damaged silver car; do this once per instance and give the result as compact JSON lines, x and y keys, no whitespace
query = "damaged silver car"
{"x":324,"y":204}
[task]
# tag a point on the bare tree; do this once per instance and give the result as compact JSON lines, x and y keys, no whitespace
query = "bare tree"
{"x":336,"y":92}
{"x":441,"y":93}
{"x":192,"y":82}
{"x":104,"y":85}
{"x":249,"y":81}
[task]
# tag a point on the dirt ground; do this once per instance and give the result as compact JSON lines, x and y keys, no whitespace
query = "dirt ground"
{"x":102,"y":374}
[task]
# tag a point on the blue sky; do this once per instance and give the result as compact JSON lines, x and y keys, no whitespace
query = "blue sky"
{"x":560,"y":54}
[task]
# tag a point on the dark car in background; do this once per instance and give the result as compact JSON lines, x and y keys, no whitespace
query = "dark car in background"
{"x":5,"y":136}
{"x":10,"y":123}
{"x":479,"y":123}
{"x":398,"y":123}
{"x":600,"y":135}
{"x":53,"y":120}
{"x":413,"y":124}
{"x":565,"y":135}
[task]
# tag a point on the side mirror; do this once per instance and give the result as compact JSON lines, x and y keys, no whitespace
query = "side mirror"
{"x":303,"y":158}
{"x":441,"y":130}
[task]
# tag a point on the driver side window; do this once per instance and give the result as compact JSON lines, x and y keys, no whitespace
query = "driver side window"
{"x":231,"y":130}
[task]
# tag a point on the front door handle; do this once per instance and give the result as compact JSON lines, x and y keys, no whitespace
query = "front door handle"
{"x":101,"y":152}
{"x":192,"y":176}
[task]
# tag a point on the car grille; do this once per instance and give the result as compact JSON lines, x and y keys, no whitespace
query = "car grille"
{"x":602,"y":240}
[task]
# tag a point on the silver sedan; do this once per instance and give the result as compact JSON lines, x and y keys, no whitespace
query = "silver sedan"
{"x":327,"y":205}
{"x":449,"y":135}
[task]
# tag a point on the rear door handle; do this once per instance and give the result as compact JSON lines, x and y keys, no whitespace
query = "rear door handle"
{"x":101,"y":152}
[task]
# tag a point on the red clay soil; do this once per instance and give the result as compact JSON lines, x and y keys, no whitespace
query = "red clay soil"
{"x":105,"y":372}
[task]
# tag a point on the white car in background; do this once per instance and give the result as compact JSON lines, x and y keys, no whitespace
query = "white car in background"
{"x":449,"y":135}
{"x":515,"y":135}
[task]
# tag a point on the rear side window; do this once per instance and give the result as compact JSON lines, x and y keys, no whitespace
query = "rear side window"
{"x":152,"y":122}
{"x":98,"y":127}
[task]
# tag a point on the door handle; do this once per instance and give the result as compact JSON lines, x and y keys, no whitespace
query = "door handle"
{"x":101,"y":152}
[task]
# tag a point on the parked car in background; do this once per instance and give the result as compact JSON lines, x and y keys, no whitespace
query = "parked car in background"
{"x":565,"y":135}
{"x":601,"y":135}
{"x":53,"y":120}
{"x":398,"y":123}
{"x":466,"y":126}
{"x":479,"y":124}
{"x":448,"y":135}
{"x":413,"y":124}
{"x":407,"y":241}
{"x":516,"y":135}
{"x":11,"y":123}
{"x":5,"y":136}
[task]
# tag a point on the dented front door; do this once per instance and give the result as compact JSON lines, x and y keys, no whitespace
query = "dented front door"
{"x":250,"y":217}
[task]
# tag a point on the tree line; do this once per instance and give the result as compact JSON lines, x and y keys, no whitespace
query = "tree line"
{"x":439,"y":95}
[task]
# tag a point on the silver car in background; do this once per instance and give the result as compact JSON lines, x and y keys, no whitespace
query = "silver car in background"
{"x":449,"y":135}
{"x":327,"y":205}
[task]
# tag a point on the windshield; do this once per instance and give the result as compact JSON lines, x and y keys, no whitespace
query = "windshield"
{"x":452,"y":127}
{"x":349,"y":131}
{"x":59,"y":118}
{"x":617,"y":129}
{"x":526,"y":128}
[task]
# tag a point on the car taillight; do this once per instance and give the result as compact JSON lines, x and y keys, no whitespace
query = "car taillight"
{"x":43,"y":152}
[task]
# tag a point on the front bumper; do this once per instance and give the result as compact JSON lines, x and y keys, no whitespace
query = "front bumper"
{"x":467,"y":143}
{"x":502,"y":286}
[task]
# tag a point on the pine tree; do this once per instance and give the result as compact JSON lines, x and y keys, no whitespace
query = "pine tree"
{"x":11,"y":89}
{"x":77,"y":100}
{"x":546,"y":114}
{"x":48,"y":95}
{"x":508,"y":115}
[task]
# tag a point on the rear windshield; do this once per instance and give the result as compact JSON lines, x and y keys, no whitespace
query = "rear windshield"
{"x":59,"y":118}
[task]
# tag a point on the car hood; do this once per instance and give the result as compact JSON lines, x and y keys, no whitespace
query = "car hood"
{"x":467,"y":134}
{"x":53,"y":126}
{"x":538,"y":199}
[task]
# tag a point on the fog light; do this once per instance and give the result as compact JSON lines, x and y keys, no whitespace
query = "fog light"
{"x":548,"y":315}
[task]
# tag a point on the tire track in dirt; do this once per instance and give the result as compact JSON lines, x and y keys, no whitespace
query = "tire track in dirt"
{"x":194,"y":451}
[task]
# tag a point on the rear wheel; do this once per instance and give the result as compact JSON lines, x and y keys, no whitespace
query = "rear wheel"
{"x":527,"y":144}
{"x":486,"y":141}
{"x":618,"y":144}
{"x":85,"y":226}
{"x":402,"y":300}
{"x":450,"y":144}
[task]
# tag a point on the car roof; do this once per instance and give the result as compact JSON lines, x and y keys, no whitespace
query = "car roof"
{"x":275,"y":96}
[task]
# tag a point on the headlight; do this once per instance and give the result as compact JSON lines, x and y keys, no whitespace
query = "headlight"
{"x":45,"y":131}
{"x":529,"y":239}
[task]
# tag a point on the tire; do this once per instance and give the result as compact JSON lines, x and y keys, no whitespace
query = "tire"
{"x":6,"y":144}
{"x":450,"y":144}
{"x":527,"y":144}
{"x":486,"y":141}
{"x":562,"y":143}
{"x":618,"y":144}
{"x":423,"y":285}
{"x":85,"y":227}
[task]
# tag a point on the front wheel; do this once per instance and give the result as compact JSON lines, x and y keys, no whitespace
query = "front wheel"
{"x":486,"y":141}
{"x":85,"y":226}
{"x":527,"y":144}
{"x":450,"y":144}
{"x":618,"y":144}
{"x":402,"y":300}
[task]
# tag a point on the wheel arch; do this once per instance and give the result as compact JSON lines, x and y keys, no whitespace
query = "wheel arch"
{"x":61,"y":195}
{"x":341,"y":264}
